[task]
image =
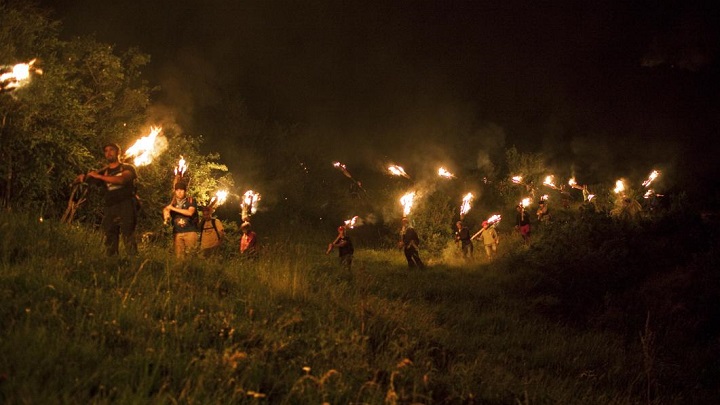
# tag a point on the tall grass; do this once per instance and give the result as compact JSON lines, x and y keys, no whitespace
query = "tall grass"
{"x":291,"y":327}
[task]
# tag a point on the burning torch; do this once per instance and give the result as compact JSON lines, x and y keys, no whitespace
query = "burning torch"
{"x":347,"y":174}
{"x":249,"y":204}
{"x":407,"y":202}
{"x":465,"y":206}
{"x":14,"y":77}
{"x":396,"y":170}
{"x":442,"y":172}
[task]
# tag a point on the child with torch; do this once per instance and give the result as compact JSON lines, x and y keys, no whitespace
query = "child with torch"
{"x":345,"y":248}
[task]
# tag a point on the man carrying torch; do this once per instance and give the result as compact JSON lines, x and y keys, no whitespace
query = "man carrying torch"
{"x":409,"y":242}
{"x":120,"y":216}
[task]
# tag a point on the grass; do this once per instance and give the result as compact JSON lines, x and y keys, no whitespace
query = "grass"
{"x":292,"y":327}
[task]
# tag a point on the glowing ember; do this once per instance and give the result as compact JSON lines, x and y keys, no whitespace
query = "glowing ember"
{"x":517,"y":179}
{"x":249,"y":203}
{"x":18,"y":76}
{"x":525,"y":202}
{"x":494,"y":219}
{"x":619,"y":187}
{"x":397,"y":171}
{"x":145,"y":149}
{"x":651,"y":178}
{"x":350,"y":223}
{"x":407,"y":202}
{"x":181,"y":167}
{"x":444,"y":173}
{"x":465,"y":207}
{"x":550,"y":181}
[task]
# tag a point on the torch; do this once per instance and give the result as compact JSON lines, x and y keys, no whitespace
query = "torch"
{"x":249,"y":204}
{"x":465,"y":206}
{"x":651,"y":178}
{"x":396,"y":170}
{"x":347,"y":174}
{"x":14,"y":77}
{"x":407,"y":202}
{"x":442,"y":172}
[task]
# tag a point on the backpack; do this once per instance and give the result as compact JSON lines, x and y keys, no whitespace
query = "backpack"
{"x":202,"y":229}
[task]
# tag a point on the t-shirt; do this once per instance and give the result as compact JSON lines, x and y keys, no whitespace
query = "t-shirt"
{"x":347,"y":249}
{"x":116,"y":193}
{"x":489,"y":236}
{"x":209,"y":237}
{"x":183,"y":223}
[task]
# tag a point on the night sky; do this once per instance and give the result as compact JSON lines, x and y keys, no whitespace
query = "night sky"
{"x":603,"y":88}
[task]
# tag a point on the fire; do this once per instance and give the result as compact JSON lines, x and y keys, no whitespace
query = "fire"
{"x":572,"y":182}
{"x":590,"y":197}
{"x":544,"y":197}
{"x":219,"y":198}
{"x":145,"y":149}
{"x":18,"y":76}
{"x":407,"y":202}
{"x":465,"y":206}
{"x":619,"y":187}
{"x":181,"y":167}
{"x":350,"y":223}
{"x":444,"y":173}
{"x":397,"y":171}
{"x":249,"y":203}
{"x":494,"y":219}
{"x":517,"y":179}
{"x":649,"y":193}
{"x":550,"y":181}
{"x":651,"y":178}
{"x":525,"y":202}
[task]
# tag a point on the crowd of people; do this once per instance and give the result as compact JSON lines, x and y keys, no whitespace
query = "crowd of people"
{"x":191,"y":234}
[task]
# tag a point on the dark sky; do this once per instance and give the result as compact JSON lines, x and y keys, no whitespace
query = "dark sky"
{"x":604,"y":88}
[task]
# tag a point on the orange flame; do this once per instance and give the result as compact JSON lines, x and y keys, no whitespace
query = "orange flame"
{"x":397,"y":171}
{"x":550,"y":181}
{"x":517,"y":179}
{"x":19,"y":76}
{"x":465,"y":206}
{"x":145,"y":149}
{"x":525,"y":202}
{"x":572,"y":181}
{"x":407,"y":202}
{"x":444,"y":173}
{"x":249,"y":203}
{"x":494,"y":219}
{"x":350,"y":223}
{"x":219,"y":198}
{"x":619,"y":187}
{"x":651,"y":178}
{"x":181,"y":167}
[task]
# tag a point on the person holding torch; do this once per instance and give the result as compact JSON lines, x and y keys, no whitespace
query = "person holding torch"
{"x":182,"y":211}
{"x":409,"y":242}
{"x":120,"y":214}
{"x":345,"y":248}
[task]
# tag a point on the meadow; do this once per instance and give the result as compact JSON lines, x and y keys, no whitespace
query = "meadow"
{"x":593,"y":312}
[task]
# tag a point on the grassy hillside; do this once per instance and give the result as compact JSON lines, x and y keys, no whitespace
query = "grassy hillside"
{"x":594,"y":312}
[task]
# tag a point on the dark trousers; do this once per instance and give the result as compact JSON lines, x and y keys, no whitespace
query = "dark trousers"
{"x":120,"y":219}
{"x":413,"y":258}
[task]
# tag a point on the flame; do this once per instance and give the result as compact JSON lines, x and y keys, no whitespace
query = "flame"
{"x":407,"y":202}
{"x":181,"y":167}
{"x":619,"y":187}
{"x":444,"y":173}
{"x":590,"y":197}
{"x":652,"y":177}
{"x":18,"y":76}
{"x":465,"y":207}
{"x":249,"y":203}
{"x":544,"y":197}
{"x":350,"y":223}
{"x":397,"y":171}
{"x":525,"y":202}
{"x":145,"y":148}
{"x":494,"y":219}
{"x":572,"y":182}
{"x":517,"y":179}
{"x":220,"y":197}
{"x":649,"y":193}
{"x":550,"y":181}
